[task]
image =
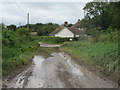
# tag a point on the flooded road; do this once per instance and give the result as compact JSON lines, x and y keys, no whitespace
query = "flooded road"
{"x":54,"y":69}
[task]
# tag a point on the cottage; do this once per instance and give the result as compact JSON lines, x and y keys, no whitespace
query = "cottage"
{"x":64,"y":31}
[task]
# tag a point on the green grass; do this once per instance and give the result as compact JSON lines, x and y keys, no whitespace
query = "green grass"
{"x":14,"y":57}
{"x":17,"y":50}
{"x":55,"y":40}
{"x":103,"y":56}
{"x":51,"y":39}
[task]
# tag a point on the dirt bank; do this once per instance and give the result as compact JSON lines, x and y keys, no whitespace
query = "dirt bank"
{"x":89,"y":67}
{"x":16,"y":72}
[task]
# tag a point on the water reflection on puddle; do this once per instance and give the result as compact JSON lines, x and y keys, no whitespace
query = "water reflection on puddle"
{"x":74,"y":69}
{"x":38,"y":60}
{"x":35,"y":80}
{"x":38,"y":75}
{"x":46,"y":52}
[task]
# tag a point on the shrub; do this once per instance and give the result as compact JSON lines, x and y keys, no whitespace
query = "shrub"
{"x":103,"y":36}
{"x":52,"y":39}
{"x":23,"y":31}
{"x":18,"y":47}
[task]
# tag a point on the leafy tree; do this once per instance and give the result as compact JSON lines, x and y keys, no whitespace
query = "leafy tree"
{"x":101,"y":15}
{"x":70,"y":25}
{"x":12,"y":27}
{"x":42,"y":29}
{"x":23,"y":31}
{"x":94,"y":9}
{"x":46,"y":29}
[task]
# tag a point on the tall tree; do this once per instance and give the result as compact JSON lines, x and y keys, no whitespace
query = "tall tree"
{"x":101,"y":15}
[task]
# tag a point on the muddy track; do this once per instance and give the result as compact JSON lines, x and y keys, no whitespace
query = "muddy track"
{"x":56,"y":70}
{"x":64,"y":76}
{"x":67,"y":78}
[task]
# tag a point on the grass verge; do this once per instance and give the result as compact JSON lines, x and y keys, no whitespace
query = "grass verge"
{"x":103,"y":56}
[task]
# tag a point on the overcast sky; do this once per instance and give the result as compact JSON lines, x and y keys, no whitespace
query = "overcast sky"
{"x":41,"y":12}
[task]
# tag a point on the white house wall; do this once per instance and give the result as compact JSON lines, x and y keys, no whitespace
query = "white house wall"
{"x":65,"y":32}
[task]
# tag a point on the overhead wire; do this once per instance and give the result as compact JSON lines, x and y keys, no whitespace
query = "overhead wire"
{"x":21,"y":10}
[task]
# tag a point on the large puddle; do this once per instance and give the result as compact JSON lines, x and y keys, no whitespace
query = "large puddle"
{"x":54,"y":69}
{"x":37,"y":78}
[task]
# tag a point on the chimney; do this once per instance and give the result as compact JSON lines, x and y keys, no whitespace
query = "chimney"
{"x":65,"y":23}
{"x":78,"y":20}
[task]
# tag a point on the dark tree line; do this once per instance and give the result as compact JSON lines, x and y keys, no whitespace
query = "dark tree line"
{"x":41,"y":29}
{"x":101,"y":16}
{"x":12,"y":27}
{"x":44,"y":29}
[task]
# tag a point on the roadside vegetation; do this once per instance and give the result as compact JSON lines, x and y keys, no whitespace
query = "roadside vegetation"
{"x":18,"y":48}
{"x":100,"y":47}
{"x":102,"y":55}
{"x":55,"y":40}
{"x":0,"y":50}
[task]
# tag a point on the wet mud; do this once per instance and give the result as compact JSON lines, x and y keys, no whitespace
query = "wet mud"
{"x":55,"y":69}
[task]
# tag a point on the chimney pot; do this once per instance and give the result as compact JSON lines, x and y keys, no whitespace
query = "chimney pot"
{"x":65,"y":23}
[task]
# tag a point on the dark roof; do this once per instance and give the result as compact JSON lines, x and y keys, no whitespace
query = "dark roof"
{"x":76,"y":31}
{"x":73,"y":30}
{"x":77,"y":24}
{"x":57,"y":30}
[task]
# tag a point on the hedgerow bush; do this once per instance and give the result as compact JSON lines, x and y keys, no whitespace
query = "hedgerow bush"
{"x":108,"y":37}
{"x":52,"y":39}
{"x":101,"y":36}
{"x":18,"y":47}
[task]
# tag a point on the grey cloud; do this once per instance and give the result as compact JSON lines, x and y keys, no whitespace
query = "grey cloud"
{"x":42,"y":12}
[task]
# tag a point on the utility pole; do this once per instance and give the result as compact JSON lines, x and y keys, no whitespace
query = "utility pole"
{"x":19,"y":24}
{"x":28,"y":21}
